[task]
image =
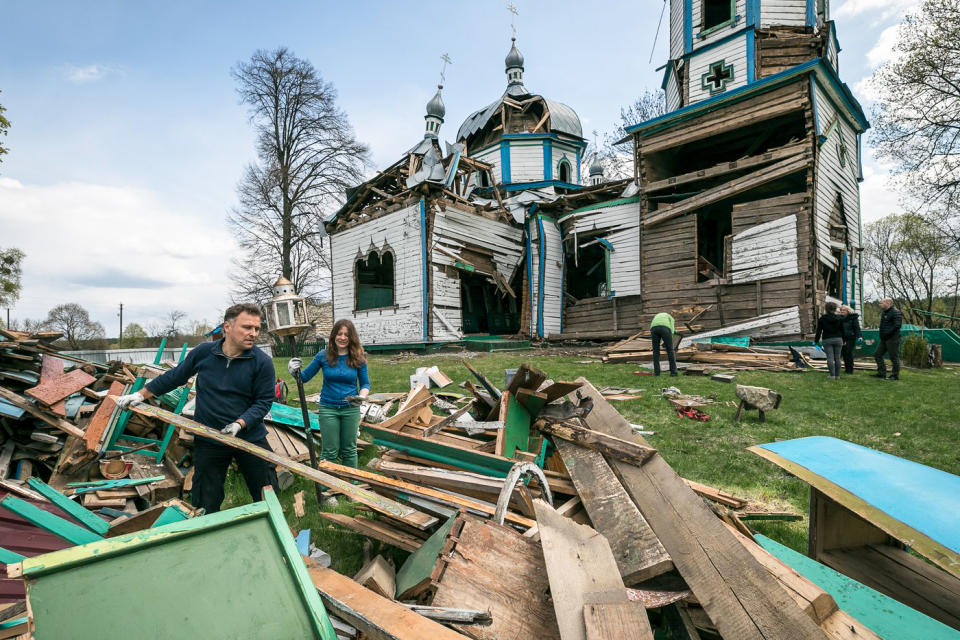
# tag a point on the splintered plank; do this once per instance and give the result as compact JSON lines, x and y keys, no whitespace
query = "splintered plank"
{"x":101,"y":418}
{"x":640,"y":555}
{"x":55,"y":390}
{"x":741,"y":598}
{"x":376,"y":529}
{"x":614,"y":447}
{"x":582,"y":571}
{"x":620,"y":620}
{"x":559,"y":389}
{"x":486,"y":566}
{"x":376,"y":502}
{"x":378,"y":618}
{"x":21,"y":403}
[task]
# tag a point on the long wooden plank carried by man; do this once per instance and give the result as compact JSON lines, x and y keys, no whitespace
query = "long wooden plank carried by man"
{"x":378,"y":503}
{"x":741,"y":598}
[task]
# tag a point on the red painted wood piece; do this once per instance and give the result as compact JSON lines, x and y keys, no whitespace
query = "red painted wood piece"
{"x":101,"y":418}
{"x":20,"y":536}
{"x":51,"y":369}
{"x":56,"y":390}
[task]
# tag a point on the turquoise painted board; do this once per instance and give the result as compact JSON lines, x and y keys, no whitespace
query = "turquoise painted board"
{"x":72,"y":533}
{"x":889,"y":619}
{"x":168,"y":516}
{"x":292,"y":416}
{"x":921,"y":497}
{"x":232,"y":574}
{"x":80,"y":514}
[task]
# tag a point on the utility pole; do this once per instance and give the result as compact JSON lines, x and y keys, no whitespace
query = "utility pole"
{"x":120,"y":341}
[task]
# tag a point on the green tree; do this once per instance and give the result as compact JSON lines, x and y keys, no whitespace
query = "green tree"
{"x":10,"y":272}
{"x":917,"y":116}
{"x":134,"y":336}
{"x":4,"y":127}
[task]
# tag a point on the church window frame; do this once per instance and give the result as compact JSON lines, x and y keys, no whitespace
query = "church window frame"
{"x":363,"y":269}
{"x":564,"y":168}
{"x":732,"y":17}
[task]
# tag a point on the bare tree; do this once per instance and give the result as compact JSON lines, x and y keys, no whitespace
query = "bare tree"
{"x":917,"y":116}
{"x":74,"y":323}
{"x":172,"y":321}
{"x":909,"y":258}
{"x":617,"y":160}
{"x":307,"y":156}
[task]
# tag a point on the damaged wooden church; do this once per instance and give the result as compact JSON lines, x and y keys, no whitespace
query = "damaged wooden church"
{"x":744,"y":206}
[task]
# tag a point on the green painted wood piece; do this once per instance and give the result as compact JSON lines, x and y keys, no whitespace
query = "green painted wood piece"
{"x":889,"y":619}
{"x":138,"y":384}
{"x":87,"y":487}
{"x":291,"y":416}
{"x":168,"y":516}
{"x":419,"y":564}
{"x":516,"y":431}
{"x":476,"y":461}
{"x":72,"y":533}
{"x":232,"y":574}
{"x":77,"y":512}
{"x":10,"y":557}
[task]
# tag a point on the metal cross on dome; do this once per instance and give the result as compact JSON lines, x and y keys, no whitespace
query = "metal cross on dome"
{"x":717,"y":76}
{"x":446,"y":60}
{"x":512,"y":8}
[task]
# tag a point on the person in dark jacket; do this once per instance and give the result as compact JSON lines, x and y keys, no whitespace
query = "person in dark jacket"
{"x":889,"y":340}
{"x":851,"y":335}
{"x":234,"y":392}
{"x":830,"y":328}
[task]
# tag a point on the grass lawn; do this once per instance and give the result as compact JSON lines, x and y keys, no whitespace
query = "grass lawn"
{"x":916,"y":418}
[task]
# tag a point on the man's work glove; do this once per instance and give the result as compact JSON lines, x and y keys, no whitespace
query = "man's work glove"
{"x":129,"y":400}
{"x":355,"y":401}
{"x":293,"y":366}
{"x":231,"y":429}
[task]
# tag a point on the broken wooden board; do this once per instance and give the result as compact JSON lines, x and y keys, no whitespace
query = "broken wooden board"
{"x":375,"y":616}
{"x":379,"y":576}
{"x":372,"y":500}
{"x":21,"y":403}
{"x":582,"y":571}
{"x":742,"y":599}
{"x":511,"y":582}
{"x":101,"y":418}
{"x":618,"y":448}
{"x":620,"y":620}
{"x":375,"y":529}
{"x":414,"y":576}
{"x":515,"y":435}
{"x":639,"y":554}
{"x":59,"y":388}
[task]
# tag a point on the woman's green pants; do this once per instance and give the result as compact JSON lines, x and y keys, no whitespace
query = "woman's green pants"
{"x":338,"y":428}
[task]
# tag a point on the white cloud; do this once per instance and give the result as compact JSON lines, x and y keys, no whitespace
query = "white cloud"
{"x":878,"y":9}
{"x":100,"y":245}
{"x":877,"y":195}
{"x":882,"y":51}
{"x":87,"y":73}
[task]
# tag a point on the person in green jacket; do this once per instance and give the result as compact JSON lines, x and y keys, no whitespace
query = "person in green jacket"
{"x":662,"y":329}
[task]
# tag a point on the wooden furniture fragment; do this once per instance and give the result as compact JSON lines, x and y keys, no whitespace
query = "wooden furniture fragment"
{"x":616,"y":447}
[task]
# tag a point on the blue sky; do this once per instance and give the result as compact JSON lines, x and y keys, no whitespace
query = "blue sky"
{"x":127,"y":139}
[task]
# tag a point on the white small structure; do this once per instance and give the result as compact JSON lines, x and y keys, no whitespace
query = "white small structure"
{"x":286,"y":312}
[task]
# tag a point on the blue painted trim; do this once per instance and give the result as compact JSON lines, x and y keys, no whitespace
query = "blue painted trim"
{"x":833,"y":36}
{"x":816,"y":110}
{"x":563,"y":279}
{"x":605,"y":244}
{"x":753,"y":13}
{"x":751,"y":54}
{"x":811,"y":13}
{"x":843,"y":289}
{"x":817,"y":65}
{"x":859,"y":159}
{"x":520,"y":186}
{"x":578,"y":169}
{"x":529,"y":263}
{"x":453,"y":170}
{"x":544,"y":136}
{"x":423,"y":259}
{"x":547,"y":160}
{"x":853,"y":287}
{"x":504,"y":162}
{"x":541,"y":251}
{"x":687,"y":26}
{"x":666,"y":75}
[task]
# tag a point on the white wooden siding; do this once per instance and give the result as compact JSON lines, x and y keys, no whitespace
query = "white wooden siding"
{"x":719,"y":34}
{"x":781,"y":322}
{"x":552,"y":277}
{"x":401,"y":231}
{"x":452,"y":230}
{"x":833,"y":180}
{"x":676,"y":29}
{"x":734,"y":53}
{"x":832,"y":55}
{"x":673,"y":92}
{"x":526,"y":161}
{"x":764,"y":251}
{"x":620,"y":226}
{"x":789,"y":13}
{"x":491,"y":156}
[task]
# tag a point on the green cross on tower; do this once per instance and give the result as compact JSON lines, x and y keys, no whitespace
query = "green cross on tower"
{"x":717,"y":76}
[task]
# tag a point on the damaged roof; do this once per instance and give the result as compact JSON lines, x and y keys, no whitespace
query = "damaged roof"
{"x":563,"y":119}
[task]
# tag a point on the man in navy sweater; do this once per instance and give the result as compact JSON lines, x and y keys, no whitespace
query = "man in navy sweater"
{"x":234,"y":392}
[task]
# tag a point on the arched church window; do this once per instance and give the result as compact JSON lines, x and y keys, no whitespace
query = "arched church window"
{"x":374,"y":281}
{"x":564,"y":174}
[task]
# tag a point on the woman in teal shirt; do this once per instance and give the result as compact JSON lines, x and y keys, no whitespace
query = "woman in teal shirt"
{"x":344,"y":366}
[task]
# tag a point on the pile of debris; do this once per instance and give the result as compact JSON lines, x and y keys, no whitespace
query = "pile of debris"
{"x":727,"y":356}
